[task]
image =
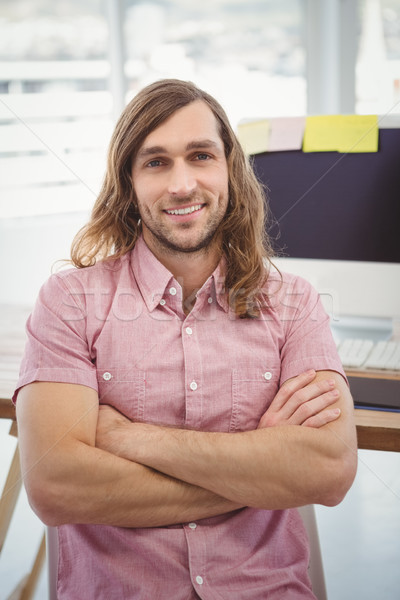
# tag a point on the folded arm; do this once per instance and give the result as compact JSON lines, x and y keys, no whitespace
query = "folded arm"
{"x":69,"y":480}
{"x":142,"y":476}
{"x":302,"y":452}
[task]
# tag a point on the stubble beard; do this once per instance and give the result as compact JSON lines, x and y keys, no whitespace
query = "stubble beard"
{"x":166,"y":241}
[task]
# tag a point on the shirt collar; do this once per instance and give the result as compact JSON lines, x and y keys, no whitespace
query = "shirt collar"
{"x":153,"y":278}
{"x":218,"y":282}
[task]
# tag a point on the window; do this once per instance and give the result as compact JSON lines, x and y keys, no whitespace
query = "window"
{"x":378,"y":61}
{"x":56,"y":104}
{"x":249,"y":54}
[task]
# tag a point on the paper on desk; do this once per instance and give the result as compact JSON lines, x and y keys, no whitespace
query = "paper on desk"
{"x":341,"y":133}
{"x":286,"y":133}
{"x":254,"y":136}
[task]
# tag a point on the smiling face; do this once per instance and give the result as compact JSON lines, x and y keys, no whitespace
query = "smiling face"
{"x":180,"y":177}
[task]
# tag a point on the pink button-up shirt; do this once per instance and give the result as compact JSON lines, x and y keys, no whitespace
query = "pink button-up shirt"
{"x":119,"y":328}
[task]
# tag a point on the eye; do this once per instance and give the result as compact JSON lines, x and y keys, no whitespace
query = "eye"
{"x":154,"y":163}
{"x":202,"y":156}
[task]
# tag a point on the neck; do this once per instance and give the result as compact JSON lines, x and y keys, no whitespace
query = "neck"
{"x":192,"y":272}
{"x":190,"y":269}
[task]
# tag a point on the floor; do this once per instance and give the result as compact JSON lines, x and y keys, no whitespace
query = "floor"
{"x":360,"y":538}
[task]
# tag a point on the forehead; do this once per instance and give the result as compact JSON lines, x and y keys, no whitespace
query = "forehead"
{"x":196,"y":121}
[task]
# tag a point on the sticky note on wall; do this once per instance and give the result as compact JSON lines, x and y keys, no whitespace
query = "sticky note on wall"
{"x":254,"y":136}
{"x":286,"y":133}
{"x":341,"y":133}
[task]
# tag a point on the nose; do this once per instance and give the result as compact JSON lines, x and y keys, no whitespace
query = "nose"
{"x":182,"y":181}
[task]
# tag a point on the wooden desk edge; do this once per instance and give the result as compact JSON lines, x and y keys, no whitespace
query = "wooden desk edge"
{"x":7,"y":409}
{"x":378,"y":438}
{"x":364,"y":374}
{"x":378,"y":430}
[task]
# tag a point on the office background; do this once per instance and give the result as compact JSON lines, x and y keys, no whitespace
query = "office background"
{"x":67,"y":68}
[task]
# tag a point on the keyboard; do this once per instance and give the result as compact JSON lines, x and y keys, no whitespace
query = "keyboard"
{"x":365,"y":354}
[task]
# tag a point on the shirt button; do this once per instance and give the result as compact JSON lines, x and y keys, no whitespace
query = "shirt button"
{"x":193,"y":386}
{"x":162,"y":302}
{"x":199,"y":579}
{"x":189,"y":330}
{"x":192,"y":525}
{"x":267,"y":375}
{"x":107,"y":376}
{"x":172,"y":291}
{"x":209,"y":301}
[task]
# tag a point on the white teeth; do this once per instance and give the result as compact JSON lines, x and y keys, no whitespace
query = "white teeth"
{"x":184,"y":211}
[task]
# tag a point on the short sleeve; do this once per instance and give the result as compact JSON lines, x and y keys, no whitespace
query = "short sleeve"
{"x":308,"y":342}
{"x":57,"y":349}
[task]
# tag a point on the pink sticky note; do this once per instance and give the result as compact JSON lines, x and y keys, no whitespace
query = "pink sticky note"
{"x":286,"y":133}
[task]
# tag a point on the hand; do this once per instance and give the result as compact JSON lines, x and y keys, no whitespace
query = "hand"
{"x":303,"y":400}
{"x":111,"y":426}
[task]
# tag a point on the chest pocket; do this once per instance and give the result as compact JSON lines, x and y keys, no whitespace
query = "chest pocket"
{"x":252,"y":392}
{"x":124,"y":389}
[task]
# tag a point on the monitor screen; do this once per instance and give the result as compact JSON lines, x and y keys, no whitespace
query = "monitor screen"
{"x":336,"y":217}
{"x":336,"y":206}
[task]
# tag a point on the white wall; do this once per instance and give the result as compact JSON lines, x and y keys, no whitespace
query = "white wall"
{"x":29,"y":249}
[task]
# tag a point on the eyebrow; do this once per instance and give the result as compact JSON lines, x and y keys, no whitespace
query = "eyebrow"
{"x":201,"y":144}
{"x":194,"y":145}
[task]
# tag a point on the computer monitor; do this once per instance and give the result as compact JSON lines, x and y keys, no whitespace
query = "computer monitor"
{"x":336,"y":221}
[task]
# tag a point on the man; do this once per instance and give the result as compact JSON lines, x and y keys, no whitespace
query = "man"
{"x":178,"y":396}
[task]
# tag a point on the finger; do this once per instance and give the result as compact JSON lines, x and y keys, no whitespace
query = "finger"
{"x":290,"y":387}
{"x":313,"y":407}
{"x":309,"y":392}
{"x":305,"y":395}
{"x":323,"y":418}
{"x":292,"y":394}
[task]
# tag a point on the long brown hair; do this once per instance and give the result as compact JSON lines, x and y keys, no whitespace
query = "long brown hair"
{"x":114,"y":226}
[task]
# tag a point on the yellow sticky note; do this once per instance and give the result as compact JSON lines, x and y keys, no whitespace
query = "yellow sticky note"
{"x":341,"y":133}
{"x":321,"y":134}
{"x":359,"y":133}
{"x":254,"y":136}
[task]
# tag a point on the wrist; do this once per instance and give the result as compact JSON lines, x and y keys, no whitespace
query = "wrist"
{"x":137,"y":441}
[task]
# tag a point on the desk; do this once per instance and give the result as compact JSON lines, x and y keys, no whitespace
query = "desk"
{"x":12,"y":341}
{"x":376,"y":430}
